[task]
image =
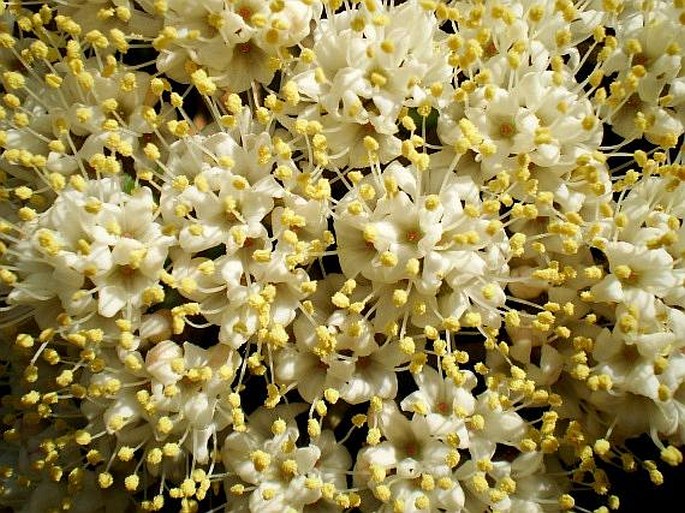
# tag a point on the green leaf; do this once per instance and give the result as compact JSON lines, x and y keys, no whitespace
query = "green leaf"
{"x":128,"y":183}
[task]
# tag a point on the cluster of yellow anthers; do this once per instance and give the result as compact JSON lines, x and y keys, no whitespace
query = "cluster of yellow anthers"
{"x":325,"y":255}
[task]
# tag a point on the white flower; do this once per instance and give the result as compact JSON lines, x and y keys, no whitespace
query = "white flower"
{"x":442,"y":402}
{"x":643,"y":366}
{"x":199,"y":379}
{"x":374,"y":375}
{"x":363,"y":76}
{"x":409,"y":452}
{"x":537,"y":117}
{"x":500,"y":425}
{"x":267,"y":456}
{"x":536,"y":483}
{"x":117,"y":244}
{"x":544,"y":369}
{"x":637,"y":276}
{"x":622,"y":361}
{"x":653,"y":52}
{"x":126,"y":16}
{"x":138,"y":250}
{"x":159,"y":360}
{"x":88,"y":497}
{"x":234,"y":42}
{"x":408,"y":448}
{"x":405,"y":233}
{"x":453,"y":229}
{"x":229,"y":195}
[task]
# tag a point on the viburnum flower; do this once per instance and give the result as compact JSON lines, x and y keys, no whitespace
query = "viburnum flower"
{"x":338,"y":348}
{"x":226,"y":211}
{"x":411,"y":453}
{"x":537,"y":117}
{"x":69,"y":112}
{"x":138,"y":251}
{"x":396,"y":230}
{"x":365,"y":71}
{"x":104,"y":15}
{"x":83,"y":495}
{"x":444,"y":404}
{"x":228,"y":192}
{"x":524,"y":484}
{"x":117,"y":245}
{"x":236,"y":42}
{"x":326,"y":256}
{"x":638,"y":275}
{"x":269,"y":471}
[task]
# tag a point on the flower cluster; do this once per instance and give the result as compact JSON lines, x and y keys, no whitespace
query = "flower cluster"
{"x":325,"y":255}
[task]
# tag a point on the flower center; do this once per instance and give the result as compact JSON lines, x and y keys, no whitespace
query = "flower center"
{"x":490,"y":49}
{"x":363,"y":362}
{"x":126,"y":270}
{"x":441,"y":407}
{"x":634,"y":101}
{"x":368,"y":128}
{"x":625,"y":274}
{"x":641,"y":59}
{"x":506,"y":129}
{"x":245,"y":13}
{"x":412,"y":236}
{"x":630,"y":353}
{"x":245,"y":48}
{"x":411,"y":449}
